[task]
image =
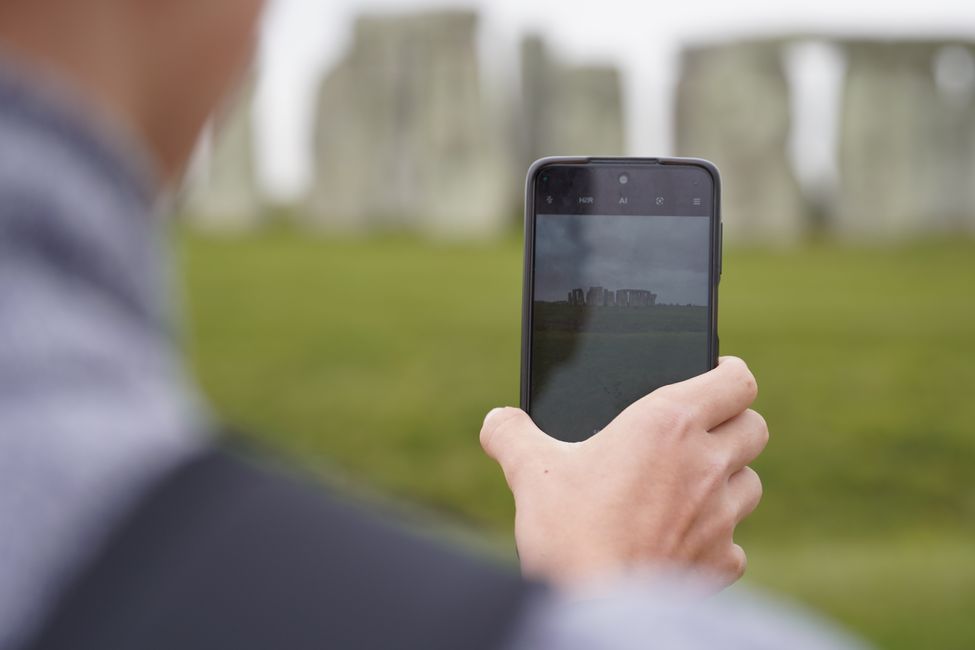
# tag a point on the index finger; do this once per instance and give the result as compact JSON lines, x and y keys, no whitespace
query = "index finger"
{"x":716,"y":396}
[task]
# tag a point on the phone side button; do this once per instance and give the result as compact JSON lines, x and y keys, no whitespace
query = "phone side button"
{"x":720,"y":249}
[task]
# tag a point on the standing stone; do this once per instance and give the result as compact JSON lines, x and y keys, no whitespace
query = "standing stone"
{"x":223,"y":196}
{"x":733,"y":109}
{"x":955,"y":76}
{"x":404,"y":139}
{"x":566,"y":109}
{"x":907,"y":157}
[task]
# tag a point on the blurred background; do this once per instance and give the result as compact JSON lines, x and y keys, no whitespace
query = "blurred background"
{"x":352,"y":305}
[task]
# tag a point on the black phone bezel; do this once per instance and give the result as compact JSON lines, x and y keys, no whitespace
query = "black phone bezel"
{"x":715,"y":255}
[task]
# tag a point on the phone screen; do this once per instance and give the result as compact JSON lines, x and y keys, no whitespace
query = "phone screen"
{"x":621,"y":290}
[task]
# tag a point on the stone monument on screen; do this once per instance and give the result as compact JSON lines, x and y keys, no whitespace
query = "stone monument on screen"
{"x":405,"y":138}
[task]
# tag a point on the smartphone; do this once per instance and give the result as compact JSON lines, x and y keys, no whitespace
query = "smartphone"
{"x":622,"y":264}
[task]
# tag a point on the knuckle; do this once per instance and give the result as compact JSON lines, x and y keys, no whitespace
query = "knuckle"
{"x":744,"y":375}
{"x":761,"y":424}
{"x":682,"y":418}
{"x":716,"y":469}
{"x":712,"y":494}
{"x":755,"y":483}
{"x":496,"y":425}
{"x":734,"y":362}
{"x":675,"y":416}
{"x":737,"y":561}
{"x":661,"y":398}
{"x":718,"y":461}
{"x":728,"y":518}
{"x":751,"y":385}
{"x":713,"y":474}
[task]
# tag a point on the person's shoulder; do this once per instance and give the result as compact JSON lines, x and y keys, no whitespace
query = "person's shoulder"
{"x":230,"y":553}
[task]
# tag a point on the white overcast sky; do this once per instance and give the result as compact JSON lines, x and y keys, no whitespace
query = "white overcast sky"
{"x":302,"y":38}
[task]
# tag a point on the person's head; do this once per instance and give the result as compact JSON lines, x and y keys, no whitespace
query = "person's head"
{"x":162,"y":66}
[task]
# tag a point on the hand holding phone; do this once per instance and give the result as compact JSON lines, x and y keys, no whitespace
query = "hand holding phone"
{"x":663,"y":485}
{"x":633,"y":445}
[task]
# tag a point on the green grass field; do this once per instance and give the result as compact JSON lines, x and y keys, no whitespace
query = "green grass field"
{"x":378,"y":358}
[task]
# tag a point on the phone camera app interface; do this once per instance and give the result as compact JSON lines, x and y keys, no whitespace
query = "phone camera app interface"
{"x":621,"y":294}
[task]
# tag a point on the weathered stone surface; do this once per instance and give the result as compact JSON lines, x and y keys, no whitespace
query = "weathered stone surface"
{"x":569,"y":109}
{"x":733,"y":109}
{"x":223,"y":196}
{"x":404,"y":137}
{"x":406,"y":140}
{"x":907,"y":151}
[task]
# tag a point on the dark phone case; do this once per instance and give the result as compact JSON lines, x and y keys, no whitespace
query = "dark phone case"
{"x":526,"y":309}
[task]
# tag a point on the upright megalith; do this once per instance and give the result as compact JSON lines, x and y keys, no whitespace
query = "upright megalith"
{"x":222,"y":193}
{"x":568,"y":109}
{"x":404,"y":136}
{"x":733,"y":108}
{"x":907,"y":152}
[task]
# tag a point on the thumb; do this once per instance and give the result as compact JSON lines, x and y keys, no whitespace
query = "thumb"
{"x":511,"y":438}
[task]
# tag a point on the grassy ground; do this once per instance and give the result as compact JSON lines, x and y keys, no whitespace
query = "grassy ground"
{"x":380,"y":357}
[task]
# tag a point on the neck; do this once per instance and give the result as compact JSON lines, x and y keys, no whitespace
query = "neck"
{"x":90,"y":61}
